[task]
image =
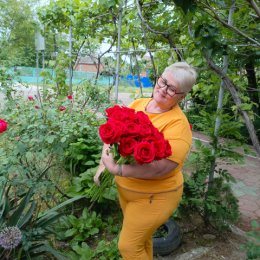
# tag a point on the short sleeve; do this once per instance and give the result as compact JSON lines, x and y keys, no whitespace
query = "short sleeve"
{"x":180,"y":150}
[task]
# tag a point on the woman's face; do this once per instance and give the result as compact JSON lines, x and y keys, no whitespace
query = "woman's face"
{"x":167,"y":92}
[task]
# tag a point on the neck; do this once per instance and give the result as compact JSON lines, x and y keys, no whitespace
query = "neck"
{"x":154,"y":107}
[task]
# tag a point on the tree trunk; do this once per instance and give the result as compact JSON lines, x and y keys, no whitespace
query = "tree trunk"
{"x":220,"y":100}
{"x":236,"y":98}
{"x":252,"y":85}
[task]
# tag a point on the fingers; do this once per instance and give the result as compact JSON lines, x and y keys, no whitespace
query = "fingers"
{"x":108,"y":150}
{"x":107,"y":157}
{"x":96,"y":180}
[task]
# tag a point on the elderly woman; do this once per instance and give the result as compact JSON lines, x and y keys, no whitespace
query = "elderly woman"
{"x":150,"y":193}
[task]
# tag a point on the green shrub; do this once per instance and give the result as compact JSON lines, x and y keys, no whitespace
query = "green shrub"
{"x":252,"y":246}
{"x":79,"y":229}
{"x":213,"y":200}
{"x":24,"y":231}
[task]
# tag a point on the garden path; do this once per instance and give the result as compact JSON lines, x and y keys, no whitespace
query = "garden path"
{"x":247,"y":186}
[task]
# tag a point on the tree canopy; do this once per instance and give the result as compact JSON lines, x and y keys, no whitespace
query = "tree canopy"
{"x":202,"y":33}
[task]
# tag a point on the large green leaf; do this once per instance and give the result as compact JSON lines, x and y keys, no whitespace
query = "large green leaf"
{"x":63,"y":204}
{"x":27,"y":217}
{"x":48,"y":219}
{"x":13,"y":220}
{"x":48,"y":249}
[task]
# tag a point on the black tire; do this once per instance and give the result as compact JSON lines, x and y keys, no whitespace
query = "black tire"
{"x":168,"y":243}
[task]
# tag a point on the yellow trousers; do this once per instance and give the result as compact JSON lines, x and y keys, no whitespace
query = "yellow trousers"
{"x":143,"y":214}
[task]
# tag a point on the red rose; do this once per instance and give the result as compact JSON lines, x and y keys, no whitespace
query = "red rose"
{"x":150,"y":139}
{"x":122,"y":114}
{"x":159,"y":146}
{"x":62,"y":108}
{"x":70,"y":97}
{"x":3,"y":125}
{"x":142,"y":118}
{"x":146,"y":130}
{"x":168,"y":149}
{"x":190,"y":126}
{"x":37,"y":107}
{"x":30,"y":98}
{"x":110,"y":132}
{"x":132,"y":129}
{"x":127,"y":146}
{"x":144,"y":152}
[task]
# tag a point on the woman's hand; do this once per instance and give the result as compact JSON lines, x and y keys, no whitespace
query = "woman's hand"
{"x":108,"y":160}
{"x":100,"y":169}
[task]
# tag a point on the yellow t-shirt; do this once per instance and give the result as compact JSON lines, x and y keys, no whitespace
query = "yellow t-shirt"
{"x":175,"y":127}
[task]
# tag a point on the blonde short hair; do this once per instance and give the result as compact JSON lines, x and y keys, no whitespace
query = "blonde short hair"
{"x":184,"y":73}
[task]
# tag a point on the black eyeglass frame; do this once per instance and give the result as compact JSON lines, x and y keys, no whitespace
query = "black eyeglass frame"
{"x":167,"y":87}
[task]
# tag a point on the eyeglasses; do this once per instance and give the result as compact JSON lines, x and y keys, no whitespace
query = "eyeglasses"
{"x":170,"y":90}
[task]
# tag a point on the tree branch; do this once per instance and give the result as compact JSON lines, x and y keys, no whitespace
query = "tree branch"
{"x":76,"y":60}
{"x":164,"y":34}
{"x":145,"y":23}
{"x":255,"y":7}
{"x":231,"y":27}
{"x":228,"y":83}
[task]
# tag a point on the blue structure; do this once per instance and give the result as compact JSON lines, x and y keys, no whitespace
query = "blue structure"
{"x":133,"y":81}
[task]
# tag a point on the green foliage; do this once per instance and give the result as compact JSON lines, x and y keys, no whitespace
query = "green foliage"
{"x":186,"y":6}
{"x":83,"y":185}
{"x":38,"y":139}
{"x":101,"y":245}
{"x":252,"y":246}
{"x":17,"y":27}
{"x":104,"y":250}
{"x":6,"y":84}
{"x":213,"y":199}
{"x":78,"y":229}
{"x":89,"y":234}
{"x":22,"y":211}
{"x":230,"y":128}
{"x":84,"y":153}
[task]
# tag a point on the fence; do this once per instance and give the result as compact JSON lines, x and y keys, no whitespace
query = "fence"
{"x":30,"y":75}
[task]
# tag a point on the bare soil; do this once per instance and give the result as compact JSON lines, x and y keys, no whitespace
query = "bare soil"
{"x":214,"y":245}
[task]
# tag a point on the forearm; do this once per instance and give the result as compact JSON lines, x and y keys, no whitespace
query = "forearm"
{"x":152,"y":170}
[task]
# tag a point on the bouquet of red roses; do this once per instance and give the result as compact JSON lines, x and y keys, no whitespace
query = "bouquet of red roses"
{"x":133,"y":138}
{"x":134,"y":135}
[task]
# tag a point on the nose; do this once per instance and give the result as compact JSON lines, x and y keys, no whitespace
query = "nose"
{"x":164,"y":88}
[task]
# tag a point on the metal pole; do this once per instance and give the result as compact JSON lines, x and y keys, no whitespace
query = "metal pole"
{"x":118,"y":53}
{"x":37,"y":68}
{"x":70,"y":56}
{"x":43,"y":59}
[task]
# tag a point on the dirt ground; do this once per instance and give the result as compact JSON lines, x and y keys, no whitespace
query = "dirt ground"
{"x":204,"y":243}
